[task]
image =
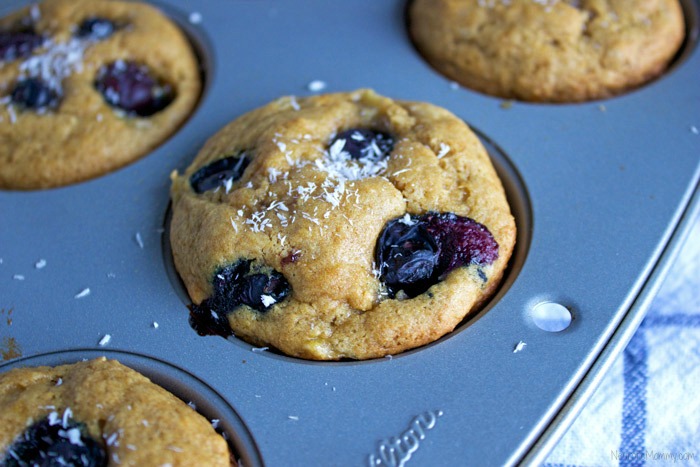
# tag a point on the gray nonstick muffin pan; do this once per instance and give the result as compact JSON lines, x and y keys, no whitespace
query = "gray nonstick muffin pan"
{"x":603,"y":194}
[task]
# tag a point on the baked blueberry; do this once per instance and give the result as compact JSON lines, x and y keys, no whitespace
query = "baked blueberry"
{"x":260,"y":291}
{"x":207,"y":321}
{"x":132,"y":88}
{"x":407,"y":255}
{"x":19,"y":44}
{"x":242,"y":283}
{"x":33,"y":93}
{"x":219,"y":173}
{"x":95,"y":28}
{"x":462,"y":240}
{"x":55,"y":441}
{"x":364,"y":143}
{"x":416,"y":252}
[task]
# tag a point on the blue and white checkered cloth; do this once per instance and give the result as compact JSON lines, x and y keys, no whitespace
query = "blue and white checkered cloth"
{"x":646,"y":411}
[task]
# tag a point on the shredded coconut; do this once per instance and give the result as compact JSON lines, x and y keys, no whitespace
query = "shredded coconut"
{"x":267,"y":300}
{"x":57,"y":62}
{"x":228,"y":184}
{"x":338,"y":169}
{"x":53,"y":419}
{"x":293,"y":102}
{"x":13,"y":115}
{"x":339,"y":165}
{"x":406,"y":220}
{"x":316,"y":85}
{"x":444,"y":149}
{"x":111,"y":439}
{"x":273,"y":173}
{"x":258,"y":221}
{"x":105,"y":340}
{"x":83,"y":293}
{"x":67,"y":414}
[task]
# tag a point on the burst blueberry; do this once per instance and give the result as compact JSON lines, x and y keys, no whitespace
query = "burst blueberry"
{"x":219,"y":173}
{"x":33,"y":93}
{"x":364,"y":143}
{"x":132,"y":88}
{"x":55,"y":441}
{"x":18,"y":44}
{"x":261,"y":291}
{"x":463,"y":240}
{"x":416,"y":252}
{"x":95,"y":28}
{"x":408,"y":256}
{"x":242,"y":283}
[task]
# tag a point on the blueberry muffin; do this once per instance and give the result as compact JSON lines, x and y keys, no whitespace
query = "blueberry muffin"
{"x":337,"y":226}
{"x":548,"y":50}
{"x":99,"y":413}
{"x":87,"y":86}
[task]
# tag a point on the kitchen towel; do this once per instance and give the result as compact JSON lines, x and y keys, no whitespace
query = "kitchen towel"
{"x":646,"y":411}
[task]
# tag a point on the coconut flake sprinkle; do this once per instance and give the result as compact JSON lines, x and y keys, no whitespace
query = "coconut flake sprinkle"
{"x":316,"y":85}
{"x":105,"y":340}
{"x":267,"y":300}
{"x":340,"y":166}
{"x":58,"y":61}
{"x":72,"y":435}
{"x":83,"y":293}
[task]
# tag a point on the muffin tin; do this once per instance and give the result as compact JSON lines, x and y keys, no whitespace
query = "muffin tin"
{"x":603,"y":194}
